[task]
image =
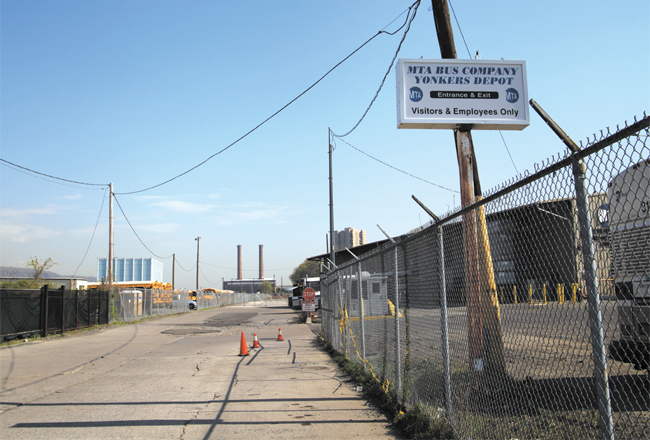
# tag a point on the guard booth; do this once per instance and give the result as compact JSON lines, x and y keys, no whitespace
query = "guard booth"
{"x":374,"y":289}
{"x":131,"y":303}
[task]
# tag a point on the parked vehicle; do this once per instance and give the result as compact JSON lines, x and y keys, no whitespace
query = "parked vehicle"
{"x":629,"y":223}
{"x":295,"y":300}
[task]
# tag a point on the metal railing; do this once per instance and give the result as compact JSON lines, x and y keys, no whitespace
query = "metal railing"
{"x":524,"y":315}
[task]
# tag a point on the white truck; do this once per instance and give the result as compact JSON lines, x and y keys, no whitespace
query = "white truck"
{"x":295,"y":301}
{"x":629,"y":223}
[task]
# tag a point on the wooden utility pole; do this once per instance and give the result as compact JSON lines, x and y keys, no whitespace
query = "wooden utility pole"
{"x":484,"y":321}
{"x":173,"y":271}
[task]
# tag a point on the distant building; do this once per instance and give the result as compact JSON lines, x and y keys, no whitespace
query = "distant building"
{"x":349,"y":238}
{"x":68,"y":283}
{"x":131,"y":269}
{"x":250,"y":285}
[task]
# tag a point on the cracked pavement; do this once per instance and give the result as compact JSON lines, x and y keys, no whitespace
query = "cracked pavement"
{"x":180,"y":377}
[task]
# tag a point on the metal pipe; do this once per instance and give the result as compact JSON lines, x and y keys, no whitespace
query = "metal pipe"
{"x":398,"y":353}
{"x":593,"y":299}
{"x":361,"y":316}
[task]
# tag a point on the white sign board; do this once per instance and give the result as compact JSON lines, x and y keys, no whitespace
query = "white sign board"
{"x":308,"y":306}
{"x":445,"y":94}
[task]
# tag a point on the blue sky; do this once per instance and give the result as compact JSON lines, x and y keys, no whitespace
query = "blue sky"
{"x":136,"y":93}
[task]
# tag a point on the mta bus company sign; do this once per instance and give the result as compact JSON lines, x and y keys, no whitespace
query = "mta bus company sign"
{"x":445,"y":94}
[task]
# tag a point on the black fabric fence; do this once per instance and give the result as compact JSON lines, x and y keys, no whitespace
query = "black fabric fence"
{"x":28,"y":312}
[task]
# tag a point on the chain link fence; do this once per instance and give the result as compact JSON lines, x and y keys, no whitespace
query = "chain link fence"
{"x":525,"y":315}
{"x":130,"y":304}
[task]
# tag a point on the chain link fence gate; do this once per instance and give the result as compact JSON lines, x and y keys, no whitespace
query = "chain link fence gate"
{"x":525,"y":315}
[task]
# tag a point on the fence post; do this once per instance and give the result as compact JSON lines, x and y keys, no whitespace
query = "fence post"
{"x":62,"y":289}
{"x":342,"y":338}
{"x":76,"y":309}
{"x":361,"y":317}
{"x":45,"y":294}
{"x":346,"y":313}
{"x":444,"y":324}
{"x":398,"y":362}
{"x":593,"y":300}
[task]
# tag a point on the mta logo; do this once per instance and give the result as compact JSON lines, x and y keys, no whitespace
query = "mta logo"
{"x":512,"y":95}
{"x":415,"y":94}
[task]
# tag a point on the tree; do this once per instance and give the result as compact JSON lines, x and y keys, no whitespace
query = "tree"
{"x":266,"y":287}
{"x":306,"y":269}
{"x":39,"y":268}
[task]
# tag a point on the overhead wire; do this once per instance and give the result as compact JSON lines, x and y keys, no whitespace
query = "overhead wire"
{"x":29,"y":172}
{"x":136,"y":234}
{"x":244,"y":270}
{"x":206,"y":278}
{"x":93,"y":236}
{"x":470,"y":56}
{"x":186,"y":270}
{"x":273,"y":115}
{"x":460,"y":29}
{"x":504,"y":143}
{"x":397,"y":169}
{"x":409,"y":19}
{"x":407,"y":22}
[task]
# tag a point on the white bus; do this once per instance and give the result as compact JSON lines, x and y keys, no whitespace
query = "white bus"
{"x":629,"y":222}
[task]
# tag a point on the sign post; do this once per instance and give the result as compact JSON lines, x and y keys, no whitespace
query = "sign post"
{"x":308,"y":303}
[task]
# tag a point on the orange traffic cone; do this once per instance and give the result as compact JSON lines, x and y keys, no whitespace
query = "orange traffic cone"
{"x":255,"y":344}
{"x":243,"y":349}
{"x":280,"y":335}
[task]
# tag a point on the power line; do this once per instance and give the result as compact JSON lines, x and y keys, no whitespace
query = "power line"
{"x":206,"y":278}
{"x":397,"y":169}
{"x":136,"y":234}
{"x":504,"y":143}
{"x":93,"y":236}
{"x":460,"y":29}
{"x":186,"y":270}
{"x":28,"y":171}
{"x":470,"y":56}
{"x":407,"y":23}
{"x":414,"y":5}
{"x":244,"y":270}
{"x":273,"y":115}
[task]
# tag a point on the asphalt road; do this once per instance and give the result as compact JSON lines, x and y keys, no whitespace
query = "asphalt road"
{"x":181,"y":377}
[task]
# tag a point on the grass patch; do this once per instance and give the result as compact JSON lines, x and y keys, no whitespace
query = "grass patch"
{"x":420,"y":422}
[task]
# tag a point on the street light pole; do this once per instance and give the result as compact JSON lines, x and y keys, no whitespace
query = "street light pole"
{"x":110,"y":237}
{"x":198,"y":240}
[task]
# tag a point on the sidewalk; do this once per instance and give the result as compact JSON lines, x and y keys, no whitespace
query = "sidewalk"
{"x":180,"y":377}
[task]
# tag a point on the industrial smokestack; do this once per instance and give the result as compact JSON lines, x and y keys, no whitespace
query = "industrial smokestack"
{"x":261,"y":262}
{"x":239,"y":277}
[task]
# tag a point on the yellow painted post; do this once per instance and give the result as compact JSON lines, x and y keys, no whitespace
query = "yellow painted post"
{"x":530,"y":293}
{"x":558,"y":289}
{"x":545,"y":295}
{"x":515,"y":293}
{"x":575,"y":289}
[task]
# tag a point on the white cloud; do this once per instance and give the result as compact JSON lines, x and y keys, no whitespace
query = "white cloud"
{"x":73,"y":197}
{"x":24,"y":233}
{"x":252,"y":213}
{"x":13,"y":213}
